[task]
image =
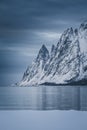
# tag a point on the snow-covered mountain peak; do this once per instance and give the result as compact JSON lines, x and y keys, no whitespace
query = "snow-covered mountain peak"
{"x":83,"y":36}
{"x":68,"y":35}
{"x":68,"y":31}
{"x":43,"y":47}
{"x":66,"y":63}
{"x":83,"y":26}
{"x":43,"y":53}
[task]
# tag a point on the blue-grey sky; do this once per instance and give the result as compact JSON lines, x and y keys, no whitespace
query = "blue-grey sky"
{"x":27,"y":24}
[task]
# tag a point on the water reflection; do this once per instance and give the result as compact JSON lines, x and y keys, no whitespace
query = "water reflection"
{"x":44,"y":98}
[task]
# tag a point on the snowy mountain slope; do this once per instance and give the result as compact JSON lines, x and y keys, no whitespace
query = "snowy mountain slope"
{"x":35,"y":71}
{"x":66,"y":63}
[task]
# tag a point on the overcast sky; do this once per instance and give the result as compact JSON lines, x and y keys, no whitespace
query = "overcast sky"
{"x":27,"y":24}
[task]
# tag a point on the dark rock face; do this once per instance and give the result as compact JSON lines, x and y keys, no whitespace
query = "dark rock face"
{"x":43,"y":54}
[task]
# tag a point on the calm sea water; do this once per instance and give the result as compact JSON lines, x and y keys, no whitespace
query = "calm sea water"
{"x":44,"y":98}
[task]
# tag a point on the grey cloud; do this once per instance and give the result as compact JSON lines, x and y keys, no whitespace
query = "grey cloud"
{"x":27,"y":14}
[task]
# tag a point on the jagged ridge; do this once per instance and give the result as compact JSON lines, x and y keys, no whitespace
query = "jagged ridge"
{"x":66,"y":63}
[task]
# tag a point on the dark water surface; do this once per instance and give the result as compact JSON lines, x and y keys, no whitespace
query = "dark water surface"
{"x":44,"y":98}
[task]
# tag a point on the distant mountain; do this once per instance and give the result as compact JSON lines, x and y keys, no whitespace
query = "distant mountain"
{"x":65,"y":64}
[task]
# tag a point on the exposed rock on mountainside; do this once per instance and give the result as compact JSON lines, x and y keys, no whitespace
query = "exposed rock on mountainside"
{"x":66,"y":63}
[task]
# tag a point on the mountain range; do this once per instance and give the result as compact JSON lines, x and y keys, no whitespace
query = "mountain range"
{"x":66,"y":63}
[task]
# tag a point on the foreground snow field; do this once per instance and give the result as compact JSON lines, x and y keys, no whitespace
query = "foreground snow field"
{"x":43,"y":120}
